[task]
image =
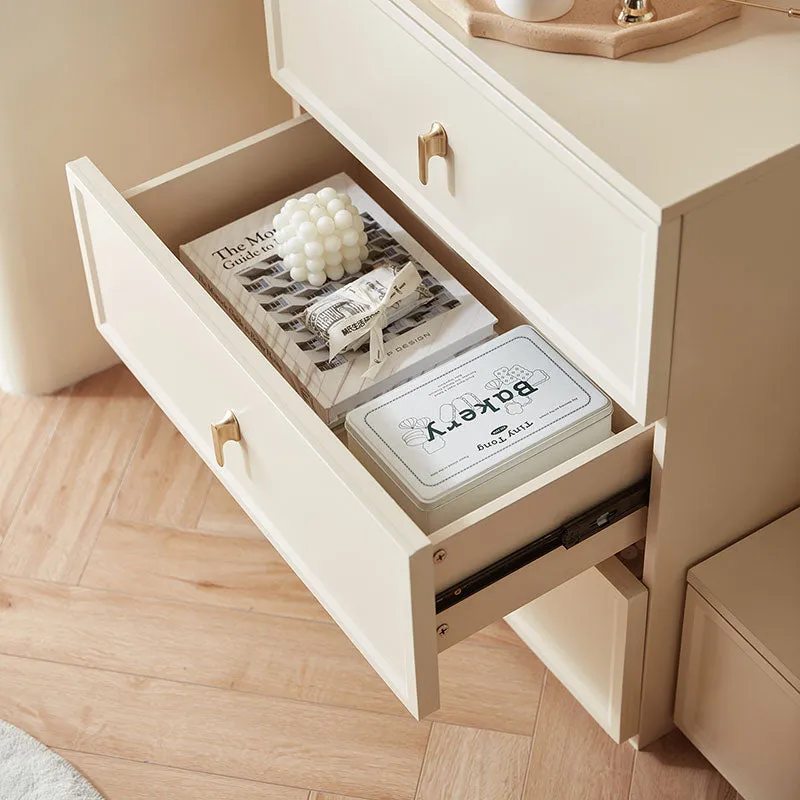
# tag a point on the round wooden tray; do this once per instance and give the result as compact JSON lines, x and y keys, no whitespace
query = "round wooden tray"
{"x":588,"y":27}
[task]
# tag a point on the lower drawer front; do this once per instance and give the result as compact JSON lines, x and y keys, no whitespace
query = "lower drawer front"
{"x":580,"y":260}
{"x":589,"y":632}
{"x":368,"y":564}
{"x":736,"y":708}
{"x":344,"y":549}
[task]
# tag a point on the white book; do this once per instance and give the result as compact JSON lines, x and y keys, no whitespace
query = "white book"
{"x":239,"y":266}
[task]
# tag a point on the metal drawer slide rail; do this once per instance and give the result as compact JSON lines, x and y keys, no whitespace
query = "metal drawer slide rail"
{"x":567,"y":535}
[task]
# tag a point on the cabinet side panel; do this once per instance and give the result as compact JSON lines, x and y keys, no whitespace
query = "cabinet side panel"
{"x":731,"y":457}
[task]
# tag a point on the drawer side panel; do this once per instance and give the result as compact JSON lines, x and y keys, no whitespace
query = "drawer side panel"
{"x":589,"y":632}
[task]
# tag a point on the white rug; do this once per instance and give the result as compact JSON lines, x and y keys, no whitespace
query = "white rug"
{"x":29,"y":771}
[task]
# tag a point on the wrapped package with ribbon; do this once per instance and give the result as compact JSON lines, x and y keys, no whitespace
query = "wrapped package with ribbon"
{"x":346,"y":318}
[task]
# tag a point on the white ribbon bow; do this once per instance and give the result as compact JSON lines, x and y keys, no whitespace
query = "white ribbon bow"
{"x":343,"y":334}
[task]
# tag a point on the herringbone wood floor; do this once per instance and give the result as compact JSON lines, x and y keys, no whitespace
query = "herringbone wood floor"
{"x":152,"y":636}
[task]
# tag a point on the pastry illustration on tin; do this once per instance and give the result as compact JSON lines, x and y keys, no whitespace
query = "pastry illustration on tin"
{"x":454,"y":410}
{"x":514,"y":373}
{"x":415,"y":434}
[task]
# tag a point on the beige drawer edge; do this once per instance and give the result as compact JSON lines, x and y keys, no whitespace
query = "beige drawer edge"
{"x":589,"y":632}
{"x":128,"y":263}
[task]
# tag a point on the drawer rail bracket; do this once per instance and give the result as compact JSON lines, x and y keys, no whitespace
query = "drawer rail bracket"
{"x":569,"y":534}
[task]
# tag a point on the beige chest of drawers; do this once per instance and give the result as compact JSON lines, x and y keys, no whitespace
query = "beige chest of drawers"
{"x":660,"y":259}
{"x":739,"y":680}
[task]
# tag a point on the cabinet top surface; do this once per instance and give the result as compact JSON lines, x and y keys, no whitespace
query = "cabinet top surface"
{"x":663,"y":125}
{"x":754,"y":584}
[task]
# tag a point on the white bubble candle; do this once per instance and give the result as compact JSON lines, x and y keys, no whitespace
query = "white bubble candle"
{"x":535,"y":10}
{"x":321,"y":236}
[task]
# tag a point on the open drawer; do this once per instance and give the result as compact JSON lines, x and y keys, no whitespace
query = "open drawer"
{"x":391,"y":588}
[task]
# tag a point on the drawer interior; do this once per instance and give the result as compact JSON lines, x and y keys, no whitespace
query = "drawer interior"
{"x":191,"y":201}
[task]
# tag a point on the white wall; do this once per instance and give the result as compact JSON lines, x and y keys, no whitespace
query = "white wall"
{"x":140,"y":87}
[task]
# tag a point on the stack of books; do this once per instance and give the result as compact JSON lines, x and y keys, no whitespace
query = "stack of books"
{"x":239,"y":266}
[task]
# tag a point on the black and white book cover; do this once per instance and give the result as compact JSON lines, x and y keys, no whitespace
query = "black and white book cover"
{"x":239,"y":265}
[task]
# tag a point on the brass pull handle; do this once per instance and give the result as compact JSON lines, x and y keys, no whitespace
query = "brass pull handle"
{"x":430,"y":144}
{"x":226,"y":430}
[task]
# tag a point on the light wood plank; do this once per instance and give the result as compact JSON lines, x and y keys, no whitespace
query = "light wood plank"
{"x":225,"y":648}
{"x":326,"y":796}
{"x":225,"y":732}
{"x":490,"y":688}
{"x":218,"y":647}
{"x":166,"y":482}
{"x":26,"y":426}
{"x":222,"y":515}
{"x":198,"y":568}
{"x":120,"y":779}
{"x":572,"y":758}
{"x":498,"y":634}
{"x":55,"y":527}
{"x":471,"y":764}
{"x":673,"y":768}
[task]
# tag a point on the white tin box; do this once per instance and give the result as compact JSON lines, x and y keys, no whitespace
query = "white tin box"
{"x":474,"y":428}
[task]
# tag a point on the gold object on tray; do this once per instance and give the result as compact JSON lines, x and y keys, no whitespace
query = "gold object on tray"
{"x":588,"y":28}
{"x":633,"y":12}
{"x":790,"y":12}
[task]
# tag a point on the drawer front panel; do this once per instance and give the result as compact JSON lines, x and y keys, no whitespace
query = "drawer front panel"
{"x":365,"y":562}
{"x":581,"y":265}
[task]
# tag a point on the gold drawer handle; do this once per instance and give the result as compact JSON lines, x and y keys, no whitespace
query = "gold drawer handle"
{"x":430,"y":144}
{"x":226,"y":430}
